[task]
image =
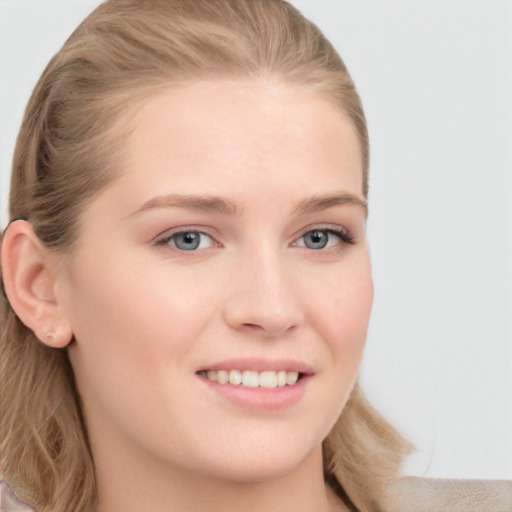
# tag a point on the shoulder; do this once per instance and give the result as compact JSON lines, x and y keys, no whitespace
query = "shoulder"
{"x":452,"y":495}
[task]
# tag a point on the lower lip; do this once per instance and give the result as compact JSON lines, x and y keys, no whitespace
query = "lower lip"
{"x":262,"y":399}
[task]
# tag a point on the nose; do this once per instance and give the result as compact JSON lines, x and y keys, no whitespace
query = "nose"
{"x":263,"y":296}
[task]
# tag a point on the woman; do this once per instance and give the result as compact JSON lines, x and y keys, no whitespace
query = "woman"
{"x":187,"y":280}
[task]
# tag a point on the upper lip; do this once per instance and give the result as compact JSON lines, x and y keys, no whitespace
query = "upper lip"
{"x":260,"y":365}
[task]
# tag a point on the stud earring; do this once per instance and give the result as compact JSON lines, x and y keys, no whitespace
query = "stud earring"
{"x":50,"y":335}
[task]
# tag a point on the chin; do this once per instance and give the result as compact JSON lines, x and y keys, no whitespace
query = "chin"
{"x":263,"y":465}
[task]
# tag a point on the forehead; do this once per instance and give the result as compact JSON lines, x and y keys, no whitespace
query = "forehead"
{"x":261,"y":126}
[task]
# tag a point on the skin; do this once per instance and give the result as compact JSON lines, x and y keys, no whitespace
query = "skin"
{"x":147,"y":316}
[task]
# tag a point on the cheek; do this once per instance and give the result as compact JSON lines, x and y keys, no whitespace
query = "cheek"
{"x":125,"y":327}
{"x":344,"y":315}
{"x":133,"y":307}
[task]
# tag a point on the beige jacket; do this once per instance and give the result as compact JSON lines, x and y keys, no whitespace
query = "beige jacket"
{"x":445,"y":495}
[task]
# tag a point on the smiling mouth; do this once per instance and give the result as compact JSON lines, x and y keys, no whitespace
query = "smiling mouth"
{"x":251,"y":378}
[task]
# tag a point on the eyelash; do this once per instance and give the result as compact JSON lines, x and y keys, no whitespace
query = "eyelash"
{"x":165,"y":239}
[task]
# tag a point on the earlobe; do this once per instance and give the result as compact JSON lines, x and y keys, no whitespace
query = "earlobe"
{"x":29,"y":271}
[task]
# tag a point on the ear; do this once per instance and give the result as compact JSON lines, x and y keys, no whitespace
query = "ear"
{"x":29,"y":271}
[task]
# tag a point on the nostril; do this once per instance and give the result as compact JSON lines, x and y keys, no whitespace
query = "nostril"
{"x":252,"y":326}
{"x":267,"y":328}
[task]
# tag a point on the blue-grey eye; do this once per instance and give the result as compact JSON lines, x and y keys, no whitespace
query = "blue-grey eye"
{"x":317,"y":239}
{"x":191,"y":240}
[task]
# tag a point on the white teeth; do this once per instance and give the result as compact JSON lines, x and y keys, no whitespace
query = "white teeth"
{"x":235,"y":377}
{"x":268,"y":379}
{"x":222,"y":376}
{"x":281,"y":378}
{"x":252,"y":379}
{"x":291,"y":378}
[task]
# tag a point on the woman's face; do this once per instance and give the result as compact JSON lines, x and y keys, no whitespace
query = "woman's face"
{"x":232,"y":246}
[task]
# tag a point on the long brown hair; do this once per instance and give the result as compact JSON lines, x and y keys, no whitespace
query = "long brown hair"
{"x":66,"y":152}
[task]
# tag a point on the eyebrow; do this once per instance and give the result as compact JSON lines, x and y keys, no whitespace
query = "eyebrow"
{"x":318,"y":203}
{"x":216,"y":204}
{"x":205,"y":203}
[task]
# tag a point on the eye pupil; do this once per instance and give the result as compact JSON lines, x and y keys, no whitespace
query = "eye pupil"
{"x":316,"y":239}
